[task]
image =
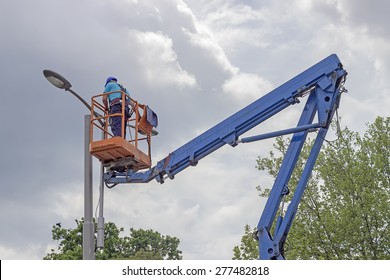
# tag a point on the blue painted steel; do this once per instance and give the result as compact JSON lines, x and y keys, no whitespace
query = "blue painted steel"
{"x":323,"y":83}
{"x":279,"y":133}
{"x":228,"y":131}
{"x":269,"y":248}
{"x":324,"y":101}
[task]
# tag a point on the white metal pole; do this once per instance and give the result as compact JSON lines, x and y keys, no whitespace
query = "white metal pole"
{"x":100,"y":225}
{"x":88,"y":227}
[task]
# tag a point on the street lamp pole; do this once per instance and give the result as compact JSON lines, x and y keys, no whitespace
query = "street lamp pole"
{"x":88,"y":227}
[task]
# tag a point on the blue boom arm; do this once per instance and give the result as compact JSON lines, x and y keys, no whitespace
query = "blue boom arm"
{"x":323,"y":100}
{"x":323,"y":83}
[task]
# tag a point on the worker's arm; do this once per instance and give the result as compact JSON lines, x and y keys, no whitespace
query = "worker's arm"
{"x":105,"y":97}
{"x":131,"y":103}
{"x":105,"y":101}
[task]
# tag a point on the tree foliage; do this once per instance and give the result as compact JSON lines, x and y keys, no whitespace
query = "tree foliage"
{"x":248,"y":249}
{"x":345,"y":211}
{"x":139,"y":245}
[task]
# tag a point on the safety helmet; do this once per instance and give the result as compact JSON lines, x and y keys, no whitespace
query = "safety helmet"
{"x":110,"y":79}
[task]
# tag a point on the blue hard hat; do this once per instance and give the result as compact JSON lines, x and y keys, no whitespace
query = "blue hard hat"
{"x":110,"y":79}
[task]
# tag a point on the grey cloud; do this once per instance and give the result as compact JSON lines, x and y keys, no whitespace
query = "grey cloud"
{"x":86,"y":41}
{"x":370,"y":14}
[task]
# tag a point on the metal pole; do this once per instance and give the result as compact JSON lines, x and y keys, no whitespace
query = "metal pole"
{"x":100,"y":226}
{"x":88,"y":228}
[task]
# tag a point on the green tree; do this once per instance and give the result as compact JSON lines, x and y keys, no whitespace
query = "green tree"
{"x":139,"y":245}
{"x":345,"y":211}
{"x":248,"y":249}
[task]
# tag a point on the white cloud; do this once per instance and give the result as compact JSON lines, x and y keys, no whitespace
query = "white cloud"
{"x":205,"y":41}
{"x":159,"y":61}
{"x":29,"y":252}
{"x":195,"y":62}
{"x":247,"y":87}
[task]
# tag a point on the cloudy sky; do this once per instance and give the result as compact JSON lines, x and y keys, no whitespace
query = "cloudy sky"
{"x":195,"y":62}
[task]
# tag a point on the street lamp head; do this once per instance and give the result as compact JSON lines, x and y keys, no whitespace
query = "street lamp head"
{"x":57,"y":80}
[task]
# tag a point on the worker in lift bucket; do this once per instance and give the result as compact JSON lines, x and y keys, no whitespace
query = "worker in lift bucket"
{"x":113,"y":104}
